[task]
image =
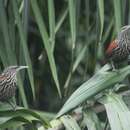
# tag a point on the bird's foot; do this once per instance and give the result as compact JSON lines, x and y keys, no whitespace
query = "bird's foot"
{"x":114,"y":68}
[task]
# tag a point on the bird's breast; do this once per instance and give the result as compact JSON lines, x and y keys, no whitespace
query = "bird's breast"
{"x":113,"y":45}
{"x":7,"y":90}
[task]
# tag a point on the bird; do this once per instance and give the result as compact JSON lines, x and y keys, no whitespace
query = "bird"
{"x":8,"y":82}
{"x":119,"y":49}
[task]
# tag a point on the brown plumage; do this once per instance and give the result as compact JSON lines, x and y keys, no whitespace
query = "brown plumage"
{"x":8,"y":82}
{"x":119,"y":49}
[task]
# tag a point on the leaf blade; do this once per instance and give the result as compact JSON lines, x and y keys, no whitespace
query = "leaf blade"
{"x":45,"y":39}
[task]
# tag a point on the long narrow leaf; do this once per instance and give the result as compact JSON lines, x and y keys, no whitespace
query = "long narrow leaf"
{"x":24,"y":45}
{"x":91,"y":120}
{"x":72,"y":17}
{"x":10,"y":55}
{"x":51,"y":12}
{"x":101,"y":14}
{"x":79,"y":58}
{"x":61,"y":20}
{"x":117,"y":12}
{"x":45,"y":39}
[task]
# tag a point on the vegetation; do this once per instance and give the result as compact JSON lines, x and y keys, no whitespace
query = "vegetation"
{"x":63,"y":43}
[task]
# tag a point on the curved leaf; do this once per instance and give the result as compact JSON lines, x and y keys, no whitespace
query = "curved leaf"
{"x":70,"y":123}
{"x":100,"y":81}
{"x":117,"y":112}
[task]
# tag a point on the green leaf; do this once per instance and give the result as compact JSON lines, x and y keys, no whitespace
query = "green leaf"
{"x":117,"y":112}
{"x":13,"y":122}
{"x":107,"y":32}
{"x":22,"y":116}
{"x":101,"y":14}
{"x":101,"y":80}
{"x":51,"y":11}
{"x":3,"y":55}
{"x":61,"y":20}
{"x":91,"y":120}
{"x":46,"y":43}
{"x":70,"y":123}
{"x":117,"y":13}
{"x":79,"y":58}
{"x":24,"y":45}
{"x":126,"y":98}
{"x":10,"y":55}
{"x":72,"y":16}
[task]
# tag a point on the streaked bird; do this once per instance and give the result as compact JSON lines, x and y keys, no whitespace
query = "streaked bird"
{"x":8,"y":81}
{"x":119,"y":49}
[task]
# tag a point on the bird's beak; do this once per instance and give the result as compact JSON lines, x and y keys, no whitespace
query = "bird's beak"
{"x":124,"y":28}
{"x":127,"y":26}
{"x":22,"y":67}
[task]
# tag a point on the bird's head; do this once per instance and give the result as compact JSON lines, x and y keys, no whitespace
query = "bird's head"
{"x":124,"y":30}
{"x":12,"y":70}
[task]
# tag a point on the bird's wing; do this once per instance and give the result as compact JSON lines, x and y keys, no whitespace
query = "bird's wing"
{"x":111,"y":46}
